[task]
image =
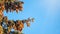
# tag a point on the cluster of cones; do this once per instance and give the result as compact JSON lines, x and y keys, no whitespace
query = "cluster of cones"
{"x":17,"y":25}
{"x":11,"y":5}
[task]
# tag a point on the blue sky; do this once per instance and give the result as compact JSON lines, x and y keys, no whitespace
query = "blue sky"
{"x":46,"y":14}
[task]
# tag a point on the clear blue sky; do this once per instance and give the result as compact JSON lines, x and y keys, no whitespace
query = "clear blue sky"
{"x":46,"y":14}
